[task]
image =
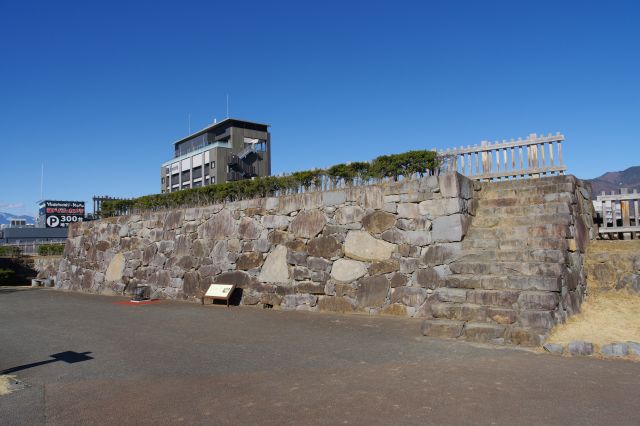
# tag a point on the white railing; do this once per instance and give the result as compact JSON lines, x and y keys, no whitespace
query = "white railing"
{"x":534,"y":156}
{"x":617,"y":211}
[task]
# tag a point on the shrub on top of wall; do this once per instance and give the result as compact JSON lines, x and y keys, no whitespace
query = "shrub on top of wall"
{"x":50,"y":249}
{"x":386,"y":166}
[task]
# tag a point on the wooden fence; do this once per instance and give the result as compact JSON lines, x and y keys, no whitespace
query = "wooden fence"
{"x":532,"y":157}
{"x":624,"y":203}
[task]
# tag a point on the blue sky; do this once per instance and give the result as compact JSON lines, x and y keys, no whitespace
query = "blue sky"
{"x":99,"y":91}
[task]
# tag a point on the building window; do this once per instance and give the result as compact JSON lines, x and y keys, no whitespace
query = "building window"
{"x":213,"y":179}
{"x":213,"y":164}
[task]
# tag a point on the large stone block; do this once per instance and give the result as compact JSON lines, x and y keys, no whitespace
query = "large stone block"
{"x":409,"y":296}
{"x":483,"y":332}
{"x":442,"y":328}
{"x":115,"y":268}
{"x":275,"y":268}
{"x":333,"y":198}
{"x":278,"y":222}
{"x":346,"y":270}
{"x":335,"y":304}
{"x":383,"y":267}
{"x":361,"y":245}
{"x":248,"y":229}
{"x":349,"y":214}
{"x":372,"y":291}
{"x":541,"y":300}
{"x":308,"y":223}
{"x":378,"y":221}
{"x":446,"y":229}
{"x":249,"y":260}
{"x":442,"y":254}
{"x":326,"y":247}
{"x":220,"y":226}
{"x":408,"y":210}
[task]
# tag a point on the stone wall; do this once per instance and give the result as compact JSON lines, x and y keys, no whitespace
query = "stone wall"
{"x":613,"y":265}
{"x":46,"y":266}
{"x":366,"y":249}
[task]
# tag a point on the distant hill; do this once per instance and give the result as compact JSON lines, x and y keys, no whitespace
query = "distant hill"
{"x":5,"y":218}
{"x":613,"y":181}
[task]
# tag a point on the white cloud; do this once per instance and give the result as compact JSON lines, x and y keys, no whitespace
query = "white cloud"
{"x":11,"y":205}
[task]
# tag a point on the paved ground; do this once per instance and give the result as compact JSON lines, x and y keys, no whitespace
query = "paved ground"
{"x":178,"y":362}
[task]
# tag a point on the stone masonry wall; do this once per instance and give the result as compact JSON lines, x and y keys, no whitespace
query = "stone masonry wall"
{"x":356,"y":249}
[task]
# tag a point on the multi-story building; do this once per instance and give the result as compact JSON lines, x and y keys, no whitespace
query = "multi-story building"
{"x":226,"y":151}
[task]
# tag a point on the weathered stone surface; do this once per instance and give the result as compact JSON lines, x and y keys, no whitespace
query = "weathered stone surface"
{"x":408,"y":210}
{"x":333,"y":198}
{"x":191,"y":283}
{"x":275,"y":268}
{"x":301,"y":273}
{"x":446,"y":229}
{"x":372,"y":291}
{"x":347,"y":270}
{"x":318,"y":264}
{"x":378,"y":221}
{"x":297,"y":257}
{"x":249,"y":260}
{"x":149,"y":253}
{"x":279,"y":222}
{"x":320,"y":276}
{"x":278,"y":236}
{"x":483,"y":332}
{"x":336,"y":304}
{"x":502,"y":315}
{"x":398,"y":280}
{"x":294,"y":301}
{"x":444,"y":294}
{"x":349,"y":214}
{"x":428,"y":278}
{"x":384,"y":267}
{"x":442,"y":254}
{"x":395,"y":309}
{"x":115,"y":268}
{"x":308,"y":223}
{"x":615,"y":350}
{"x":361,"y":245}
{"x":248,"y":229}
{"x":542,"y":300}
{"x":409,"y":296}
{"x":442,"y":328}
{"x":327,"y":247}
{"x":220,"y":225}
{"x":580,"y":348}
{"x":554,"y":348}
{"x":309,"y":287}
{"x":417,"y":238}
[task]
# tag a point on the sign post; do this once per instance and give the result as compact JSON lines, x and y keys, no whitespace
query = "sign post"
{"x":219,"y":292}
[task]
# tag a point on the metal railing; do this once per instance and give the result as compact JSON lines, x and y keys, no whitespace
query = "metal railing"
{"x":507,"y":159}
{"x":627,"y":204}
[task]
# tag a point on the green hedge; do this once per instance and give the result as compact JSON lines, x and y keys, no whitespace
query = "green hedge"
{"x":10,"y":251}
{"x":50,"y":249}
{"x":386,"y":166}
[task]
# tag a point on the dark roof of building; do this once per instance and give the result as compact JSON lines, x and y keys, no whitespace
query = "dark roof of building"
{"x":223,"y":123}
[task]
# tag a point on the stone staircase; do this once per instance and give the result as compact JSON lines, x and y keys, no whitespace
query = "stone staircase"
{"x":519,"y":271}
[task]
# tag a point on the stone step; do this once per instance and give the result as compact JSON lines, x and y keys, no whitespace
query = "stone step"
{"x":524,"y":255}
{"x":498,"y":192}
{"x":522,"y":231}
{"x":561,"y":197}
{"x":507,"y":221}
{"x":515,"y":244}
{"x":541,"y":208}
{"x":509,"y":299}
{"x":543,"y":269}
{"x":511,"y":281}
{"x":482,"y":332}
{"x":527,"y":183}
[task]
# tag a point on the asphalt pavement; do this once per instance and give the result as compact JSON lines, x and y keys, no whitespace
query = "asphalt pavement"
{"x":88,"y":360}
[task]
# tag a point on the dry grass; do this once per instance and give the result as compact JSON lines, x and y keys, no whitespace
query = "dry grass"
{"x":4,"y":384}
{"x":605,"y":317}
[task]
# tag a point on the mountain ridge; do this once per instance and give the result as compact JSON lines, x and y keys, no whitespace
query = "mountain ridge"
{"x":613,"y":181}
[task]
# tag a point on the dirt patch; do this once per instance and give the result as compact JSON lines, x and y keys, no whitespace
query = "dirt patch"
{"x":605,"y":317}
{"x":6,"y":386}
